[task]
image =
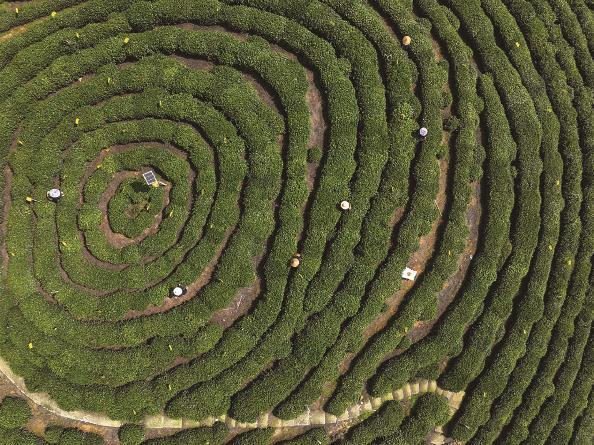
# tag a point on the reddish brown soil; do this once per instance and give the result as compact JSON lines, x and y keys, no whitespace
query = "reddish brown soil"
{"x":7,"y":203}
{"x":452,"y":285}
{"x":13,"y":32}
{"x":9,"y":6}
{"x":239,"y":306}
{"x":116,"y":239}
{"x":42,"y":418}
{"x":266,"y":94}
{"x":47,"y":296}
{"x":286,"y":433}
{"x":338,"y":430}
{"x":7,"y":388}
{"x":193,"y":288}
{"x":417,"y":261}
{"x":195,"y":64}
{"x":396,"y":217}
{"x":312,"y":174}
{"x":315,"y":103}
{"x":437,"y":50}
{"x":318,"y":129}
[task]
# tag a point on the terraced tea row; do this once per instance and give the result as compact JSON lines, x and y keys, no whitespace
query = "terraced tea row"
{"x":348,"y":196}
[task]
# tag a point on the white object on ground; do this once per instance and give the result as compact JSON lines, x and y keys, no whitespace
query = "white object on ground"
{"x":54,"y":194}
{"x":409,"y":274}
{"x":150,"y":178}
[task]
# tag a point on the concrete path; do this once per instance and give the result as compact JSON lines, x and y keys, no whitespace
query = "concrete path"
{"x":310,"y":418}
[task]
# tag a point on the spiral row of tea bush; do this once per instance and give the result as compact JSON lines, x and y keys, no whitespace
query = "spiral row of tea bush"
{"x":220,"y":99}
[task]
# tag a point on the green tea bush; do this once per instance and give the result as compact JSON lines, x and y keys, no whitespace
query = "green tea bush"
{"x":253,"y":437}
{"x":260,"y":117}
{"x":429,"y":410}
{"x":131,"y":434}
{"x":380,"y":424}
{"x":53,"y":433}
{"x":19,"y":437}
{"x":14,"y":412}
{"x":314,"y":436}
{"x":72,"y":436}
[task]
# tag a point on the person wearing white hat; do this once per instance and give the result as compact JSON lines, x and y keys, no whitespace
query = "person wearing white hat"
{"x":54,"y":195}
{"x":178,"y":291}
{"x":423,"y":132}
{"x":345,"y":205}
{"x":296,"y":260}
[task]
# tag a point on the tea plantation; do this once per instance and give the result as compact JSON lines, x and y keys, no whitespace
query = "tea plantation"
{"x":370,"y":222}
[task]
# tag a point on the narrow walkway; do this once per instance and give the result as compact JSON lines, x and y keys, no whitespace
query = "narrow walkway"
{"x":311,"y":418}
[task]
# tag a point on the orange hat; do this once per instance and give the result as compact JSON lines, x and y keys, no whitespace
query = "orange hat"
{"x":406,"y":40}
{"x":295,"y":262}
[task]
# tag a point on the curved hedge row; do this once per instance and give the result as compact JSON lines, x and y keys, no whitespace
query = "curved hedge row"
{"x":260,"y":117}
{"x":14,"y":415}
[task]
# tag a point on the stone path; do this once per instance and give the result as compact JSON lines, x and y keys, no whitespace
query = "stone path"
{"x":310,"y":418}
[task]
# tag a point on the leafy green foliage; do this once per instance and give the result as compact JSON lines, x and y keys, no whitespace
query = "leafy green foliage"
{"x":313,"y":436}
{"x":379,"y":425}
{"x":261,"y":116}
{"x":14,"y":412}
{"x":260,"y":436}
{"x":130,"y":434}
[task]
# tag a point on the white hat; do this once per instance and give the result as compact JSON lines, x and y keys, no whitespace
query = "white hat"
{"x":345,"y":205}
{"x":409,"y":274}
{"x":54,"y":193}
{"x":423,"y":131}
{"x":177,"y":291}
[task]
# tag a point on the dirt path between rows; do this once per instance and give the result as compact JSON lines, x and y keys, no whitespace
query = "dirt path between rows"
{"x":117,"y":239}
{"x":245,"y":297}
{"x":192,"y":289}
{"x":452,"y":285}
{"x":417,"y":261}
